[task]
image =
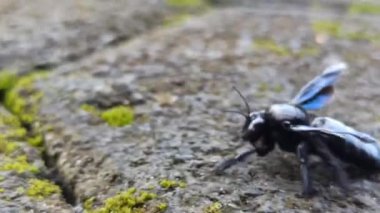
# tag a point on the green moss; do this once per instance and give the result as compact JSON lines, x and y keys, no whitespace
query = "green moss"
{"x":263,"y":87}
{"x":213,"y":208}
{"x":89,"y":203}
{"x":161,"y":207}
{"x":20,"y":165}
{"x":176,"y":20}
{"x":361,"y":36}
{"x":364,"y":8}
{"x":278,"y":88}
{"x":171,"y":184}
{"x":41,"y":189}
{"x":118,"y":116}
{"x":7,"y":79}
{"x":23,"y":98}
{"x":308,"y":51}
{"x":2,"y":178}
{"x":36,"y":140}
{"x":7,"y":147}
{"x":331,"y":28}
{"x":129,"y":201}
{"x":186,"y":3}
{"x":9,"y":120}
{"x":17,"y":133}
{"x":90,"y":109}
{"x":335,"y":29}
{"x":2,"y":190}
{"x":271,"y":46}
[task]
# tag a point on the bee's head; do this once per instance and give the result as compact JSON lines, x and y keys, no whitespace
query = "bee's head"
{"x":254,"y":121}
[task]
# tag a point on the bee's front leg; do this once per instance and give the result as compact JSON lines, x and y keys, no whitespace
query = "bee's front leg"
{"x":303,"y":152}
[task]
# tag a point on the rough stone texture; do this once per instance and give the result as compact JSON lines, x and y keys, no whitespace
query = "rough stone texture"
{"x":14,"y":184}
{"x":43,"y":33}
{"x":179,"y":80}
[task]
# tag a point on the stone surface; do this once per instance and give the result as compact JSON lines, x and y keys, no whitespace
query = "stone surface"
{"x":178,"y":79}
{"x":43,"y":33}
{"x":16,"y":174}
{"x":184,"y":134}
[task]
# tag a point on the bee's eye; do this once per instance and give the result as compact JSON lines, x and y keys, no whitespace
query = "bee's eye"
{"x":286,"y":124}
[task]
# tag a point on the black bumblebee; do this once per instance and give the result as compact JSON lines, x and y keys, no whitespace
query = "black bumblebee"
{"x":293,"y":129}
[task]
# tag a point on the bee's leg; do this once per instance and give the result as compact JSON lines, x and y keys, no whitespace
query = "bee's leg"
{"x":303,"y":151}
{"x":323,"y":151}
{"x":232,"y":161}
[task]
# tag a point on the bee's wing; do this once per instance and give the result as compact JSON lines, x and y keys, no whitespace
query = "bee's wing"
{"x":316,"y":94}
{"x":335,"y":129}
{"x":312,"y":131}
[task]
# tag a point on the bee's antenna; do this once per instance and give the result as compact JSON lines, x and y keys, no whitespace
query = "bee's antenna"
{"x":244,"y":100}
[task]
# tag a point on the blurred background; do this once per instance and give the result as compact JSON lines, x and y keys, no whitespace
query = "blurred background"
{"x":117,"y":106}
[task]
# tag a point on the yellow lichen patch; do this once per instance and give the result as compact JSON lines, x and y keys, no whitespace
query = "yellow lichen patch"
{"x":41,"y":189}
{"x":364,"y":8}
{"x":171,"y":184}
{"x":186,"y":3}
{"x":129,"y":201}
{"x":2,"y":190}
{"x":20,"y":165}
{"x":213,"y":208}
{"x":118,"y":116}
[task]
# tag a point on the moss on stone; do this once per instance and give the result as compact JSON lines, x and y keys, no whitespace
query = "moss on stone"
{"x":18,"y":133}
{"x":90,"y":109}
{"x":23,"y":98}
{"x":20,"y":165}
{"x":364,"y":8}
{"x":2,"y":190}
{"x":215,"y":207}
{"x":335,"y":29}
{"x":128,"y":201}
{"x":7,"y":80}
{"x":171,"y":184}
{"x":161,"y":207}
{"x":7,"y":147}
{"x":118,"y":116}
{"x":332,"y":28}
{"x":36,"y":140}
{"x":9,"y":120}
{"x":271,"y":46}
{"x":176,"y":19}
{"x":308,"y":51}
{"x":88,"y":204}
{"x":41,"y":189}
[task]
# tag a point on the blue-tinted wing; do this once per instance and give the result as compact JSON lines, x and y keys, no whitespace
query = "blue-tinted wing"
{"x":316,"y":94}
